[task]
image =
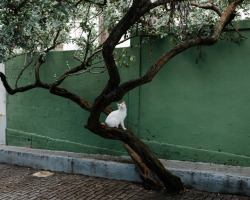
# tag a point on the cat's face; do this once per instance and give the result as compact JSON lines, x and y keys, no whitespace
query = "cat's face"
{"x":121,"y":106}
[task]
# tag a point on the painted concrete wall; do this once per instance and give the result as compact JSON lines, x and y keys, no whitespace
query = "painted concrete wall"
{"x":40,"y":120}
{"x":201,"y":111}
{"x":193,"y":112}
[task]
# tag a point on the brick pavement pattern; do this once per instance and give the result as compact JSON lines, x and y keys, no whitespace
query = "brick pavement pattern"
{"x":18,"y":183}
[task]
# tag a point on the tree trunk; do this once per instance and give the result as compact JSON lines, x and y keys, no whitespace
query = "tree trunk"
{"x":151,"y":170}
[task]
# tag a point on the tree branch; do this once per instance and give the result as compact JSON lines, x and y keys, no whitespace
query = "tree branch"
{"x":16,"y":90}
{"x":156,"y":67}
{"x":63,"y":77}
{"x":99,"y":4}
{"x":137,"y":9}
{"x":59,"y":91}
{"x":23,"y":69}
{"x":15,"y":8}
{"x":83,"y":66}
{"x":40,"y":61}
{"x":54,"y":42}
{"x":207,"y":7}
{"x":217,"y":10}
{"x":87,"y":46}
{"x":83,"y":103}
{"x":163,"y":2}
{"x":226,"y":17}
{"x":90,"y":71}
{"x":20,"y":5}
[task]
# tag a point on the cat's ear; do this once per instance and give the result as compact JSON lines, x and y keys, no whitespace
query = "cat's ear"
{"x":124,"y":102}
{"x":118,"y":105}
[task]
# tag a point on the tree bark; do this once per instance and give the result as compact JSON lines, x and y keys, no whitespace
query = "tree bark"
{"x":151,"y":170}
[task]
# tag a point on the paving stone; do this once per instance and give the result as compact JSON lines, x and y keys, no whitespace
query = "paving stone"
{"x":17,"y":183}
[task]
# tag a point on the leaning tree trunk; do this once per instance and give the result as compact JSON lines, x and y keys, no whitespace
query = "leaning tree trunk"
{"x":151,"y":170}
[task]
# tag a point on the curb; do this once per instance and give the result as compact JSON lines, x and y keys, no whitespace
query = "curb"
{"x":201,"y":176}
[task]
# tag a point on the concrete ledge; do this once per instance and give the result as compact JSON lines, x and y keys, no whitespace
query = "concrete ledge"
{"x":202,"y":176}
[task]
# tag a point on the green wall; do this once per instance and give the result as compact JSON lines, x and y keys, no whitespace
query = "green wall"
{"x":193,"y":112}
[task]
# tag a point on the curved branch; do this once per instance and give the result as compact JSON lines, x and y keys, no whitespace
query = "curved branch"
{"x":156,"y":67}
{"x":17,"y":90}
{"x":207,"y":7}
{"x":24,"y":68}
{"x":99,"y":4}
{"x":90,"y":71}
{"x":54,"y":42}
{"x":64,"y":76}
{"x":83,"y":103}
{"x":163,"y":2}
{"x":40,"y":61}
{"x":217,"y":10}
{"x":68,"y":73}
{"x":18,"y":7}
{"x":82,"y":66}
{"x":138,"y":9}
{"x":87,"y":46}
{"x":59,"y":91}
{"x":226,"y":17}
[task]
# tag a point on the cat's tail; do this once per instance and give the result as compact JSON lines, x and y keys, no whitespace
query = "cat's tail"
{"x":104,"y":124}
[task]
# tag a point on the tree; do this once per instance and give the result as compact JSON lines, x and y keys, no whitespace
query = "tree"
{"x":35,"y":27}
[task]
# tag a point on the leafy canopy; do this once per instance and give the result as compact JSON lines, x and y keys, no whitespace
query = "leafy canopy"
{"x":30,"y":26}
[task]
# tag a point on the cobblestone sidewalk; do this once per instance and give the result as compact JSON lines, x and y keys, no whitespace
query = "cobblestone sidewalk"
{"x":18,"y":183}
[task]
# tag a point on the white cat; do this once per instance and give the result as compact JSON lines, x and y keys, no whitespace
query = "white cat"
{"x":117,"y":117}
